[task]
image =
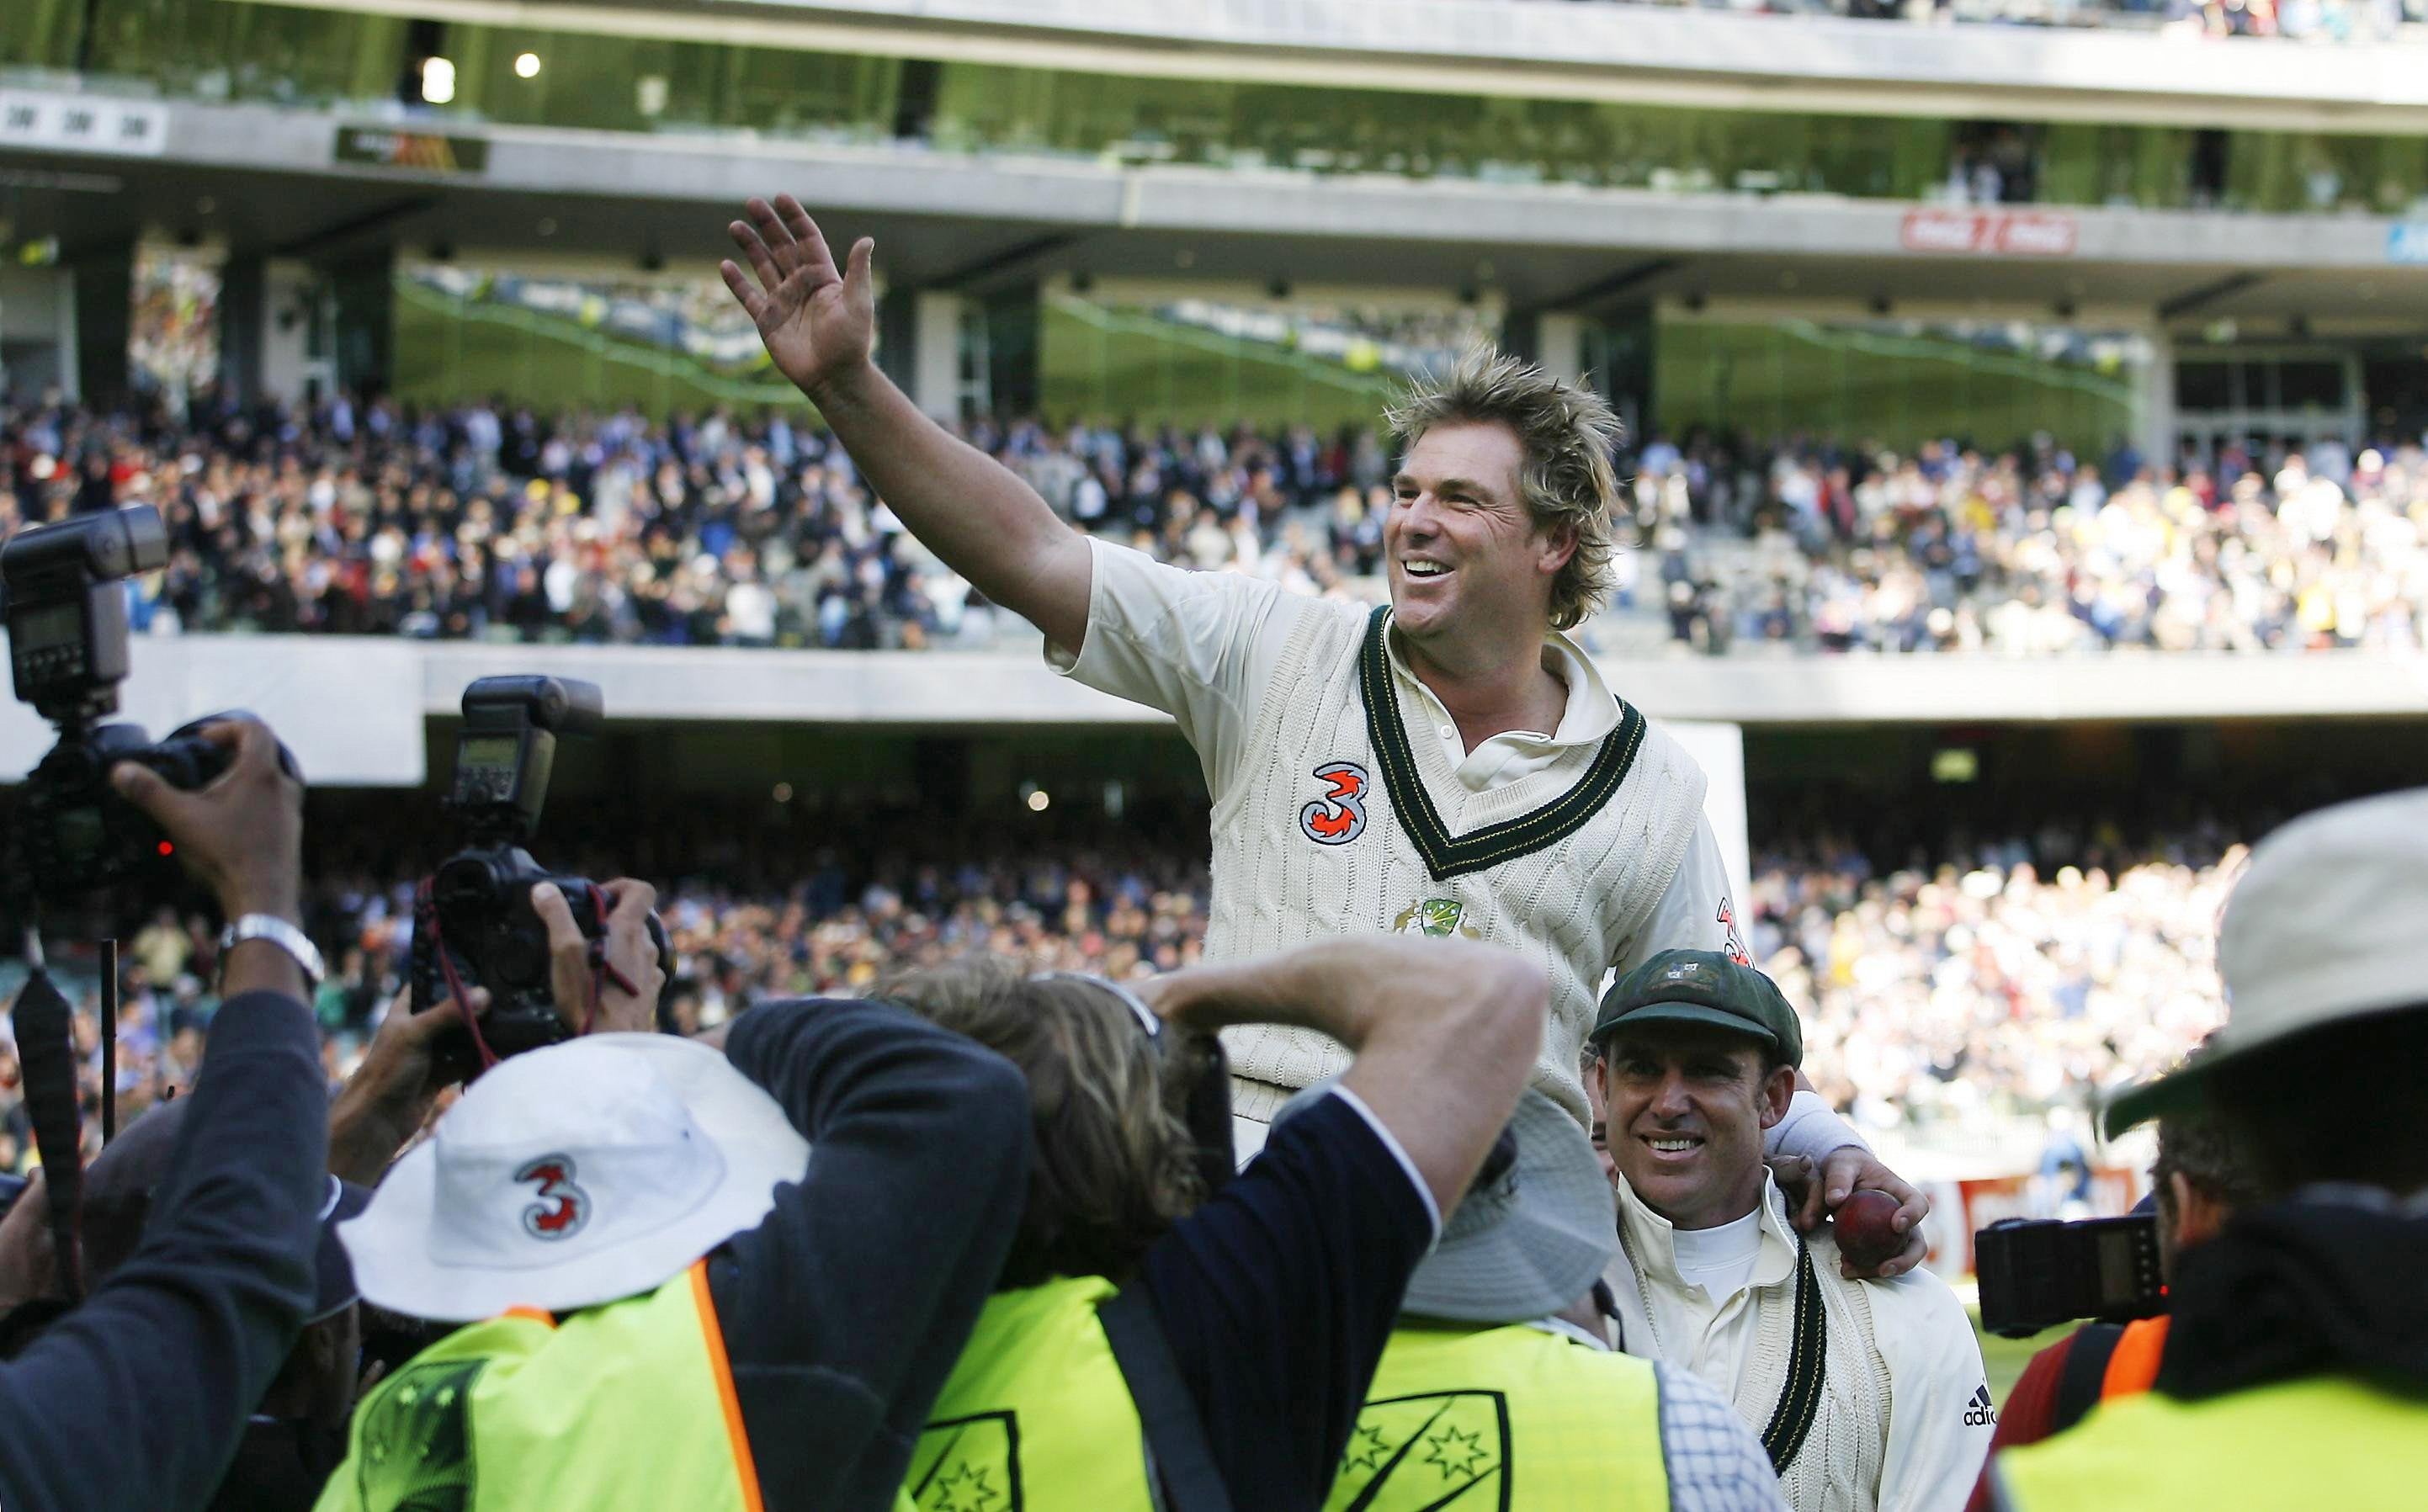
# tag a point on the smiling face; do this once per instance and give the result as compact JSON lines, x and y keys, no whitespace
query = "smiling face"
{"x":1465,"y":555}
{"x":1688,"y":1108}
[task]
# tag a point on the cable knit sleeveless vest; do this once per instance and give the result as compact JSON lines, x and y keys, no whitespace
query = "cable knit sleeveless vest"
{"x":1341,"y":822}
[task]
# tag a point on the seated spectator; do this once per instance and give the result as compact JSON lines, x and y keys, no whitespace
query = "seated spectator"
{"x":1866,"y":1393}
{"x":2295,"y":1369}
{"x":683,"y":1309}
{"x":1153,"y":1344}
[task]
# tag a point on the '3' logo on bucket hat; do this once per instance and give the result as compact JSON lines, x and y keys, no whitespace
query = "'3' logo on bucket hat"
{"x":564,"y":1207}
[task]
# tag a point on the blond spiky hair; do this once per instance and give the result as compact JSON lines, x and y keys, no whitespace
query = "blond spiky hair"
{"x":1569,"y":435}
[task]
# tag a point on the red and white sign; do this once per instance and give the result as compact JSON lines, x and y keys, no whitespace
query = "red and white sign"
{"x":1989,"y":233}
{"x":1959,"y":1210}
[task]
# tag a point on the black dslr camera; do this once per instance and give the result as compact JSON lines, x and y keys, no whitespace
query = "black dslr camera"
{"x":67,"y":655}
{"x":2038,"y":1273}
{"x":473,"y":924}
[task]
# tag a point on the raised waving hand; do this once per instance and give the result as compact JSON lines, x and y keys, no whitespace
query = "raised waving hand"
{"x":818,"y":323}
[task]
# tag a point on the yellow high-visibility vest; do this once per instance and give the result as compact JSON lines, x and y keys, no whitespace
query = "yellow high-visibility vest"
{"x":2325,"y":1441}
{"x":1480,"y":1413}
{"x":627,"y":1408}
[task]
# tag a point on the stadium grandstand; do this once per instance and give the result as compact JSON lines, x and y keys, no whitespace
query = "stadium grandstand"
{"x":2027,"y":454}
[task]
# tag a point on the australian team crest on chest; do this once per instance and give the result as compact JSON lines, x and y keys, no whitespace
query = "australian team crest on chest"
{"x":1437,"y":917}
{"x":1339,"y":816}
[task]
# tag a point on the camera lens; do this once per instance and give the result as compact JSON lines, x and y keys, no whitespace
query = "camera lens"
{"x":518,"y":957}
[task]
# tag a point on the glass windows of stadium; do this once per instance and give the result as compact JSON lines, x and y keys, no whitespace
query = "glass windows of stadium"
{"x":2256,"y":397}
{"x":1897,"y":383}
{"x":659,"y":344}
{"x":1213,"y":354}
{"x":225,"y":49}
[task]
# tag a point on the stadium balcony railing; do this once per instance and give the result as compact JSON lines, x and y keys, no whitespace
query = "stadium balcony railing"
{"x":354,"y":708}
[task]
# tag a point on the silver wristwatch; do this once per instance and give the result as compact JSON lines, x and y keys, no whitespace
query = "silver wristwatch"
{"x":284,"y":935}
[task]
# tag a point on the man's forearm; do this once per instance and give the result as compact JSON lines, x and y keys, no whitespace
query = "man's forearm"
{"x":1444,"y":1033}
{"x":365,"y":1131}
{"x":1316,"y":986}
{"x":1352,"y":989}
{"x":971,"y":511}
{"x":189,"y":1333}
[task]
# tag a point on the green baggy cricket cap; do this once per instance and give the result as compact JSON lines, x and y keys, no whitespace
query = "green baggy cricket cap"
{"x":1702,"y":987}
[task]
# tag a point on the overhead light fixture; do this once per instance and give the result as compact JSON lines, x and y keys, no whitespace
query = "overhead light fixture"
{"x":437,"y":81}
{"x":527,"y":66}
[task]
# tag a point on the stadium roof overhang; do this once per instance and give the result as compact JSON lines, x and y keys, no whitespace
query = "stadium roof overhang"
{"x":1549,"y":49}
{"x":260,"y":182}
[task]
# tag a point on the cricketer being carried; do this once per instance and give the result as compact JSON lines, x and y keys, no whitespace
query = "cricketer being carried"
{"x":1451,"y":763}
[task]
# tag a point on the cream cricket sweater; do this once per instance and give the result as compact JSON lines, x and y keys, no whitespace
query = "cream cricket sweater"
{"x":1339,"y":821}
{"x":1903,"y":1418}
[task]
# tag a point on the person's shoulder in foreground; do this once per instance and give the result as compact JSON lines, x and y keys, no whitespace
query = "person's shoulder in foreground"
{"x":920,"y":1146}
{"x":1278,"y":1294}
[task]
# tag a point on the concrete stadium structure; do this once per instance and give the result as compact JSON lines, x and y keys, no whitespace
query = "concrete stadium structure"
{"x":311,"y":208}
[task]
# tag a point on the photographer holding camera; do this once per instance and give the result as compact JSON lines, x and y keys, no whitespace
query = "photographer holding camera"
{"x":138,"y":1397}
{"x":669,"y":1302}
{"x":1169,"y":1334}
{"x":2198,"y":1181}
{"x":2295,"y":1369}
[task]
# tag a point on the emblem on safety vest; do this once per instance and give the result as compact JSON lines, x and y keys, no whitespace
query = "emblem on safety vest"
{"x":1437,"y":916}
{"x":966,"y":1465}
{"x":1411,"y":1453}
{"x":1339,"y":816}
{"x":417,"y":1437}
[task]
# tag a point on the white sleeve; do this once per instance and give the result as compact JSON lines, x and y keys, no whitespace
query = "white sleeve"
{"x":1199,"y":645}
{"x":1714,"y":1462}
{"x":1812,"y":1130}
{"x":1695,"y":912}
{"x":1941,"y":1417}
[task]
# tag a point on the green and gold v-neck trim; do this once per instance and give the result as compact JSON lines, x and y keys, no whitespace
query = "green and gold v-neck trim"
{"x":1447,"y":855}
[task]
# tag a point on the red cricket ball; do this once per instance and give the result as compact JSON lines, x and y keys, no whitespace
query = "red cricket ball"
{"x":1862,"y":1224}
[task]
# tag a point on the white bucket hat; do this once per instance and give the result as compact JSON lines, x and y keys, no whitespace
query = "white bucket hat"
{"x":2329,"y":924}
{"x":1529,"y":1237}
{"x":572,"y":1176}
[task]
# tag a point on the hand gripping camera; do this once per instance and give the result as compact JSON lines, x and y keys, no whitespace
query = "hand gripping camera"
{"x":67,"y":655}
{"x":473,"y":924}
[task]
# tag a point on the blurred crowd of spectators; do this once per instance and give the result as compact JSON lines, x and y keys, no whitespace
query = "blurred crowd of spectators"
{"x":1965,"y":988}
{"x":1973,"y":987}
{"x":1813,"y":547}
{"x":490,"y":522}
